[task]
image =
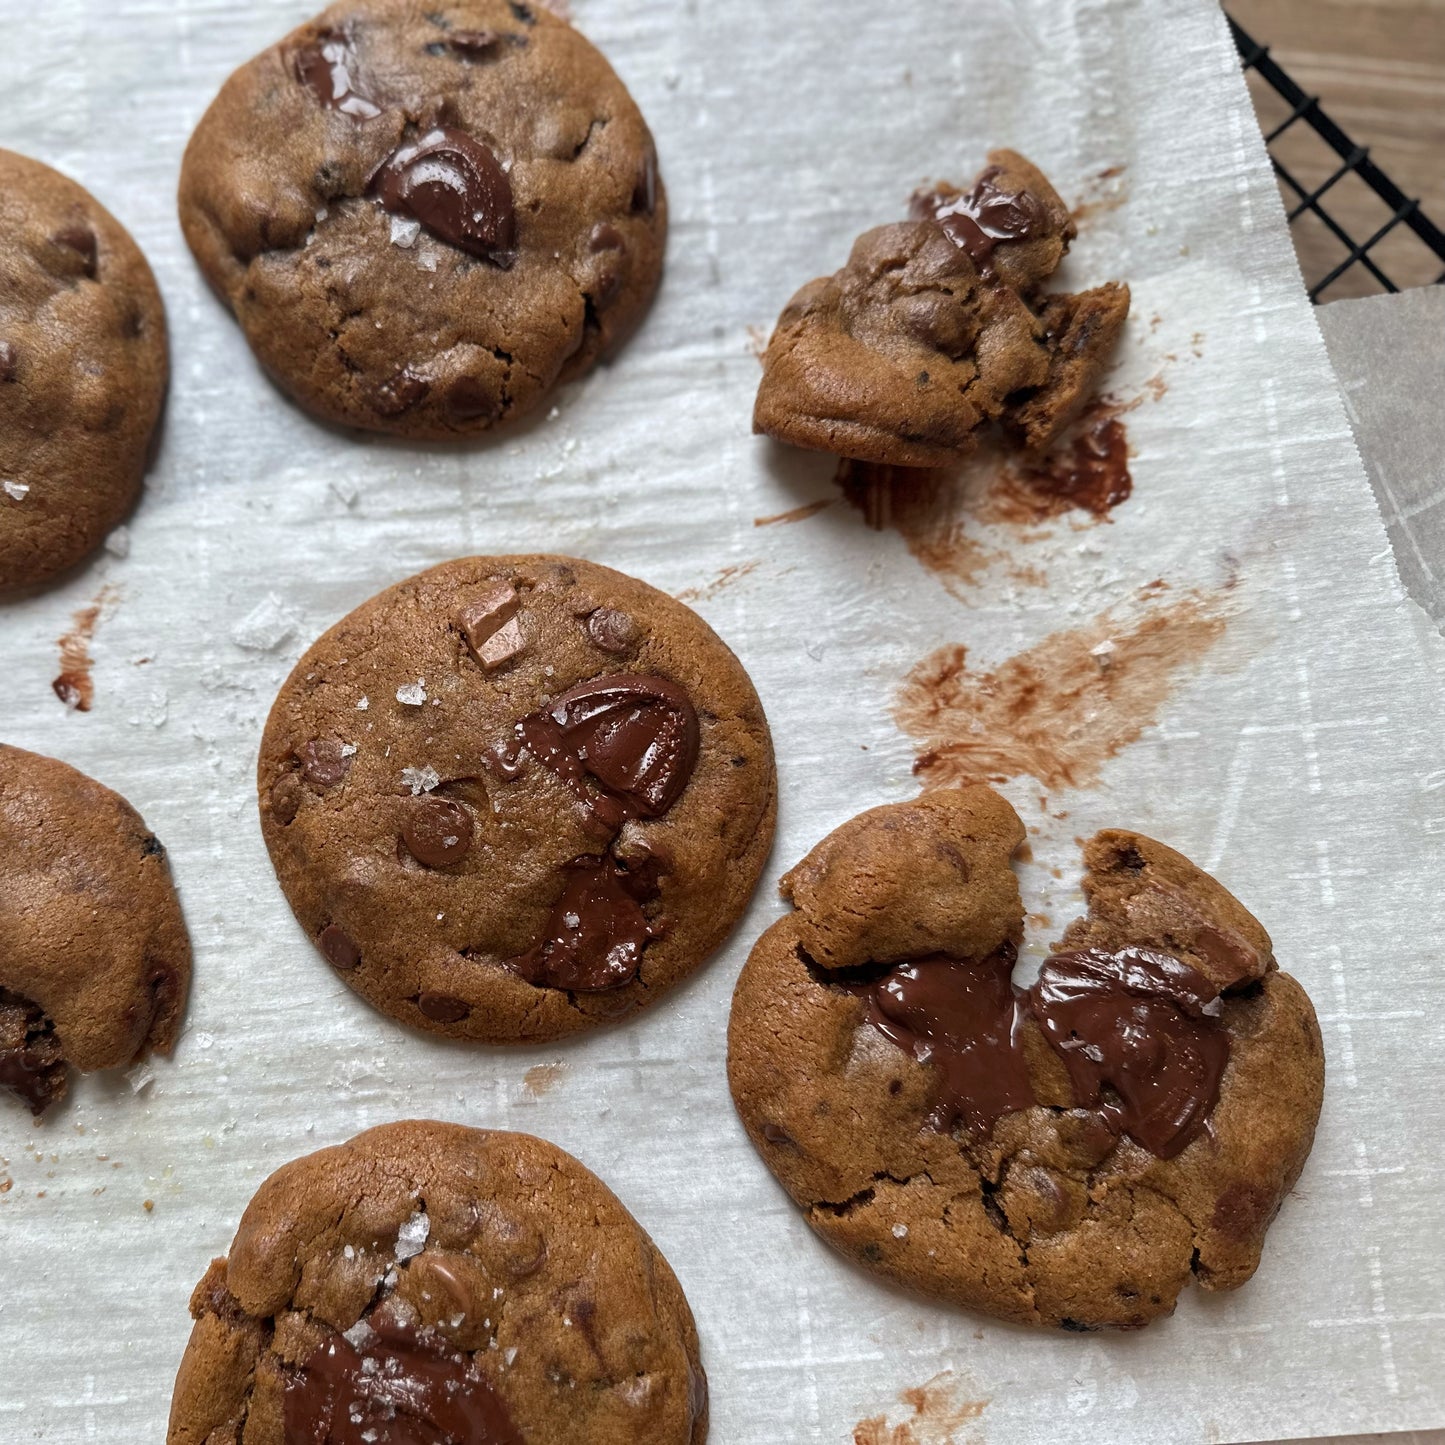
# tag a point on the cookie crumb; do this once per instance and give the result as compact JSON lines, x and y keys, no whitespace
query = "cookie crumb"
{"x":148,"y":1205}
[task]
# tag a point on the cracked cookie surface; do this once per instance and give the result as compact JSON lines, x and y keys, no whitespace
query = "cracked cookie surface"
{"x":427,"y":1281}
{"x":938,"y":327}
{"x":95,"y":961}
{"x":82,"y":371}
{"x":516,"y":797}
{"x":981,"y":1142}
{"x":425,"y":216}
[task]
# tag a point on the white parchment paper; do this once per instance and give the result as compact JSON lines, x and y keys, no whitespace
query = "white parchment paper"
{"x":1301,"y":763}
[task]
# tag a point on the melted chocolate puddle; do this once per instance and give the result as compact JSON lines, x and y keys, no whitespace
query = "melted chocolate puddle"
{"x":74,"y":685}
{"x":625,"y":744}
{"x":400,"y":1387}
{"x":1138,"y":1031}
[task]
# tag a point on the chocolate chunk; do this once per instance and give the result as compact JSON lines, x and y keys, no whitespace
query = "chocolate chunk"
{"x":453,"y":185}
{"x":325,"y":68}
{"x":9,"y":362}
{"x":401,"y":392}
{"x":606,"y":237}
{"x":634,"y":734}
{"x":443,"y":1007}
{"x":962,"y":1016}
{"x":324,"y":762}
{"x":775,"y":1135}
{"x":437,"y":831}
{"x":595,"y":934}
{"x":80,"y":239}
{"x":644,"y":189}
{"x":490,"y":625}
{"x":400,"y":1384}
{"x":467,"y":398}
{"x":336,"y":943}
{"x":31,"y":1064}
{"x":1144,"y":1025}
{"x":976,"y":220}
{"x":612,"y":631}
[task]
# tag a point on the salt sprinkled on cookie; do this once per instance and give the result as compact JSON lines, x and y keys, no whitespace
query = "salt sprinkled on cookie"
{"x":413,"y":694}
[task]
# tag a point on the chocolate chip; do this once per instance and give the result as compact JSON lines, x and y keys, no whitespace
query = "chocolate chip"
{"x":644,"y":189}
{"x":606,"y":237}
{"x":80,"y":239}
{"x":152,"y":847}
{"x":9,"y":362}
{"x":400,"y":393}
{"x":474,"y":42}
{"x":775,"y":1135}
{"x":467,"y":399}
{"x":437,"y":831}
{"x":442,"y":1007}
{"x":336,"y":943}
{"x":453,"y":184}
{"x":324,"y":762}
{"x":612,"y":631}
{"x":286,"y":798}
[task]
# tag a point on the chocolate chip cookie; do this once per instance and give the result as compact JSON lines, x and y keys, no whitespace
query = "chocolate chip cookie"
{"x":428,"y":1282}
{"x":82,"y":371}
{"x":938,"y":327}
{"x":426,"y":216}
{"x":514,"y":797}
{"x":1069,"y":1153}
{"x":94,"y":957}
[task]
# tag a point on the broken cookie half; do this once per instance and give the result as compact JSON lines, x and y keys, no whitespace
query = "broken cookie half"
{"x":938,"y":327}
{"x":1069,"y":1152}
{"x":95,"y":961}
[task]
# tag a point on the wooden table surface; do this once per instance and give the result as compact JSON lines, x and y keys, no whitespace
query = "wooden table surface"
{"x":1379,"y":68}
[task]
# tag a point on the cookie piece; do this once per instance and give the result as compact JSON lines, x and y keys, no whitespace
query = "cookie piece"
{"x":82,"y":371}
{"x":431,"y":1282}
{"x":95,"y":961}
{"x":938,"y":327}
{"x":426,"y":216}
{"x":1068,"y":1154}
{"x":515,"y":797}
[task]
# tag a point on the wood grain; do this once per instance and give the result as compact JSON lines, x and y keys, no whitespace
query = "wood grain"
{"x":1379,"y":68}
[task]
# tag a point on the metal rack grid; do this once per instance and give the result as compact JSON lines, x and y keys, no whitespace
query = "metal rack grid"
{"x":1354,"y":159}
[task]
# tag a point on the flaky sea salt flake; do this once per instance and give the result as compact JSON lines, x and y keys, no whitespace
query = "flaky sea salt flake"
{"x":413,"y":694}
{"x":404,"y":232}
{"x":412,"y":1236}
{"x":363,"y":704}
{"x":118,"y":543}
{"x":15,"y":490}
{"x":420,"y":780}
{"x":266,"y":626}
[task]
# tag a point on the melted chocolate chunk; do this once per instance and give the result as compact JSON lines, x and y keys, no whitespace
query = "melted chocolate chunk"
{"x":443,"y":1007}
{"x":634,"y":734}
{"x":977,"y":220}
{"x":453,"y":185}
{"x":595,"y":934}
{"x":401,"y":1387}
{"x":9,"y":362}
{"x":1143,"y":1024}
{"x":325,"y":68}
{"x":437,"y":831}
{"x":963,"y":1017}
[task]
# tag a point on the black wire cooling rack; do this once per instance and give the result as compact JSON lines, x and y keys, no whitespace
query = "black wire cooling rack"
{"x":1354,"y":160}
